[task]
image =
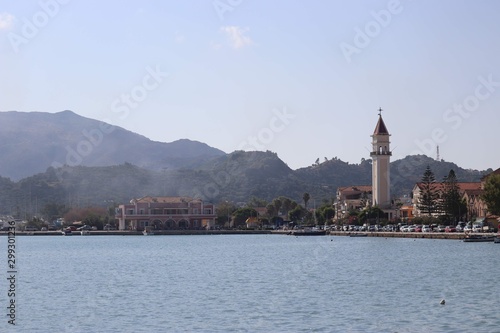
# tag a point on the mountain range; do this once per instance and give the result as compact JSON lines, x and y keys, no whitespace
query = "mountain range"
{"x":67,"y":159}
{"x":33,"y":141}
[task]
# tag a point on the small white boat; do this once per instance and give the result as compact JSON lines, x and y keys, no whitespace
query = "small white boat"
{"x":147,"y":232}
{"x":67,"y":233}
{"x":479,"y":238}
{"x":85,"y":232}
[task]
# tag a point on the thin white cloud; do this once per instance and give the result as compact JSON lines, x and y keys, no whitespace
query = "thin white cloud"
{"x":237,"y":36}
{"x":6,"y":21}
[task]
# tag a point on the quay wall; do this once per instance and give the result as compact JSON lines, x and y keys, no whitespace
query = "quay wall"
{"x":430,"y":235}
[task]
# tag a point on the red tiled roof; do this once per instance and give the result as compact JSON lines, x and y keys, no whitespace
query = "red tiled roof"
{"x":359,"y":188}
{"x":463,"y":186}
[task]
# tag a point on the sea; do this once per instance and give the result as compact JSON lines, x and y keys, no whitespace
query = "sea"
{"x":250,"y":283}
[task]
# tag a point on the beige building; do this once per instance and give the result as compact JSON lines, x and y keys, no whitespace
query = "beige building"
{"x":350,"y":198}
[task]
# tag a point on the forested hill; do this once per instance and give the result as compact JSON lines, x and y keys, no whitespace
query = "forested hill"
{"x":236,"y":177}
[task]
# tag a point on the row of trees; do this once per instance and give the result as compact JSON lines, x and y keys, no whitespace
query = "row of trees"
{"x":445,"y":198}
{"x":277,"y":209}
{"x":92,"y":216}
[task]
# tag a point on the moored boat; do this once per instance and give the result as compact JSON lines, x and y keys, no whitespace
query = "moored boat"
{"x":358,"y":235}
{"x":307,"y":232}
{"x":479,"y":238}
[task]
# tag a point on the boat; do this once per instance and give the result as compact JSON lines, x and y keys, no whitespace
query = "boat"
{"x":147,"y":232}
{"x":358,"y":235}
{"x":307,"y":232}
{"x":497,"y":239}
{"x":85,"y":232}
{"x":67,"y":232}
{"x":479,"y":238}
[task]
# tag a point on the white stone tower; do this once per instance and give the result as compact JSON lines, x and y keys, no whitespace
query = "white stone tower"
{"x":381,"y":155}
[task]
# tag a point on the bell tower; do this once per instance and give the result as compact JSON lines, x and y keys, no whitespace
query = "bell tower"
{"x":381,"y":154}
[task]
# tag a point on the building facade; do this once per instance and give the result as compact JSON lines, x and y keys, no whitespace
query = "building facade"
{"x":166,"y":213}
{"x":470,"y":192}
{"x":352,"y":198}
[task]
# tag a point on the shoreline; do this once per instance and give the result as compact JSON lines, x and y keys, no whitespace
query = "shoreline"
{"x":429,"y":235}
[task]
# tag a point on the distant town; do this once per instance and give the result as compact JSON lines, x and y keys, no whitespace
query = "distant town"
{"x":432,"y":206}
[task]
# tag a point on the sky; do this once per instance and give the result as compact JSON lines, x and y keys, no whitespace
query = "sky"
{"x":304,"y":79}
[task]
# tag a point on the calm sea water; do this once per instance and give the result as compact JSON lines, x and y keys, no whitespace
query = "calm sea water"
{"x":253,"y":283}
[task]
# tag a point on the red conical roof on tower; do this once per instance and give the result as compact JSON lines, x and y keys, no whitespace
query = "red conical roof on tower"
{"x":380,"y":128}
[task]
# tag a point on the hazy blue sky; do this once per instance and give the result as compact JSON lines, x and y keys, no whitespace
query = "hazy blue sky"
{"x":301,"y":78}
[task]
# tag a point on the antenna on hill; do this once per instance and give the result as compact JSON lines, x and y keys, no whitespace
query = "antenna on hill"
{"x":437,"y":153}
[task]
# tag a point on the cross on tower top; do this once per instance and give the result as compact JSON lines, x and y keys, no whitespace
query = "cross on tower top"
{"x":380,"y":111}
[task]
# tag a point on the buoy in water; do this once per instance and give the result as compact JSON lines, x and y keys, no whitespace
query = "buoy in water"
{"x":442,"y":302}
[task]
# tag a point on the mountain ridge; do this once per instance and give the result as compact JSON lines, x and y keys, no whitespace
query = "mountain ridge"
{"x":189,"y":169}
{"x":33,"y":141}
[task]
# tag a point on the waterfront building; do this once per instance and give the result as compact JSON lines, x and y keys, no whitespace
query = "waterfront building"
{"x":352,"y":198}
{"x":469,"y":191}
{"x":166,"y":213}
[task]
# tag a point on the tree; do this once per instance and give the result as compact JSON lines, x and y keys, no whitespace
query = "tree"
{"x":491,"y":195}
{"x":306,"y":198}
{"x":277,"y":205}
{"x":286,"y":205}
{"x":371,"y":213}
{"x":93,"y":216}
{"x":242,"y":214}
{"x":452,"y":205}
{"x":52,"y":211}
{"x":324,"y":214}
{"x":428,"y":195}
{"x":271,"y":210}
{"x":297,"y":213}
{"x":224,"y":211}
